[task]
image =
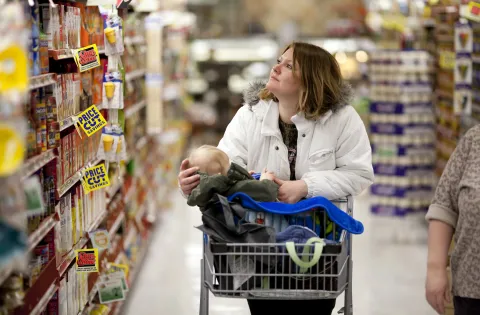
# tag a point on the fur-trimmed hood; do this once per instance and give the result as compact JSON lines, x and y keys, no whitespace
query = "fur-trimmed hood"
{"x":250,"y":95}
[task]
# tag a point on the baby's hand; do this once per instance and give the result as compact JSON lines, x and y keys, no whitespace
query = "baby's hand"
{"x":267,"y":175}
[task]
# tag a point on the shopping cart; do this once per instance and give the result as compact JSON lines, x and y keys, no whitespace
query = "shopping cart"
{"x":266,"y":271}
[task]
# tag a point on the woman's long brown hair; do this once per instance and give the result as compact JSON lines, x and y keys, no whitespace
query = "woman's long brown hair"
{"x":320,"y":77}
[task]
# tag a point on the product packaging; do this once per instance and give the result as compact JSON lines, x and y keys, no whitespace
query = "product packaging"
{"x":12,"y":137}
{"x":13,"y":50}
{"x":97,"y":84}
{"x":73,"y":226}
{"x":113,"y":91}
{"x":65,"y":224}
{"x":34,"y":196}
{"x":113,"y":31}
{"x":43,"y":54}
{"x":112,"y":146}
{"x":62,"y":296}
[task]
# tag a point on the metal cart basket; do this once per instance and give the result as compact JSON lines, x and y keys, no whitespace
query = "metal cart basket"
{"x":267,"y":271}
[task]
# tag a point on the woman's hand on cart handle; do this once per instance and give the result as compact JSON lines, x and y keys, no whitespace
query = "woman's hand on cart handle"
{"x":291,"y":191}
{"x":187,"y":179}
{"x":437,"y":289}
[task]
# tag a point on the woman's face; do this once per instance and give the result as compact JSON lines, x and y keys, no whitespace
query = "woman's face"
{"x":284,"y":82}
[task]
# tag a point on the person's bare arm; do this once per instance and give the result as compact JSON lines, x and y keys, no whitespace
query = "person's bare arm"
{"x":437,"y":288}
{"x":439,"y":238}
{"x":443,"y":216}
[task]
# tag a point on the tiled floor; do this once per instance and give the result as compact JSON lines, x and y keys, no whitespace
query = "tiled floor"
{"x":388,"y":277}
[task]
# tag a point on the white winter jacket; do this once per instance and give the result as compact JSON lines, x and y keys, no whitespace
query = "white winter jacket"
{"x":333,"y":152}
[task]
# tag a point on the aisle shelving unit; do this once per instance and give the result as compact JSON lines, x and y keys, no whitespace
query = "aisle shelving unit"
{"x":127,"y":209}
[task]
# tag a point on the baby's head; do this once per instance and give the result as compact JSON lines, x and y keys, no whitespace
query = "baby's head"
{"x":210,"y":160}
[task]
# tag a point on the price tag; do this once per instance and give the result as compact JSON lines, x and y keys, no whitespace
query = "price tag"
{"x":86,"y":260}
{"x":119,"y":275}
{"x":118,"y":267}
{"x":95,"y":178}
{"x":447,"y":60}
{"x":86,"y":58}
{"x":111,"y":291}
{"x":473,"y":11}
{"x":91,"y":120}
{"x":100,"y":239}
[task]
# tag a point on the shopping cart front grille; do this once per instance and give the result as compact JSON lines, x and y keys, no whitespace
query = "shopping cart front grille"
{"x":266,"y":271}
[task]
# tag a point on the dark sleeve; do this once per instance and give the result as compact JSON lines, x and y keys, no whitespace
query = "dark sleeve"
{"x":258,"y":190}
{"x":202,"y":194}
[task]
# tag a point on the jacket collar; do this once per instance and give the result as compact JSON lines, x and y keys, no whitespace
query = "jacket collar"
{"x":268,"y":112}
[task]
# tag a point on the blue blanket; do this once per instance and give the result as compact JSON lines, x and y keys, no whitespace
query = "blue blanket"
{"x":335,"y":214}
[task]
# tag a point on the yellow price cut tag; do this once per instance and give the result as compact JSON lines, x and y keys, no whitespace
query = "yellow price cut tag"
{"x":86,"y":57}
{"x":91,"y":120}
{"x":95,"y":178}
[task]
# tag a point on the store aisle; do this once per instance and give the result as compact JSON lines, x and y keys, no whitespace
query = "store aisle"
{"x":388,"y":279}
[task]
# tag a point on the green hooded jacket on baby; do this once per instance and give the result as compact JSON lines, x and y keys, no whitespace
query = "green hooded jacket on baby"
{"x":237,"y":180}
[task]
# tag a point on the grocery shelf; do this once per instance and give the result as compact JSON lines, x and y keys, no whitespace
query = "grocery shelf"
{"x":42,"y":304}
{"x":129,"y":193}
{"x":40,"y":233}
{"x":42,"y":80}
{"x":69,"y":183}
{"x":91,"y":296}
{"x":171,"y":92}
{"x":97,"y":222}
{"x":135,"y":270}
{"x":69,"y":121}
{"x":135,"y":74}
{"x":61,"y":54}
{"x":135,"y":40}
{"x":118,"y":308}
{"x":37,"y":162}
{"x":128,"y":239}
{"x":70,"y":256}
{"x":124,"y":227}
{"x":135,"y":108}
{"x":42,"y":290}
{"x":141,"y":143}
{"x":112,"y":190}
{"x":116,"y":224}
{"x":141,"y":211}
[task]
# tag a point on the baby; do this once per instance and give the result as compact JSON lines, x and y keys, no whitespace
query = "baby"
{"x":218,"y":175}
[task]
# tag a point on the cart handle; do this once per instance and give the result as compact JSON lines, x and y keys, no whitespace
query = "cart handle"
{"x":303,"y":263}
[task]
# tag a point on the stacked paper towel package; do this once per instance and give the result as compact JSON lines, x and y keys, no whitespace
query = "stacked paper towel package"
{"x":402,"y":131}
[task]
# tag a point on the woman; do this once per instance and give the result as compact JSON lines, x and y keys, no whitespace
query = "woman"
{"x":456,"y":207}
{"x":300,"y":127}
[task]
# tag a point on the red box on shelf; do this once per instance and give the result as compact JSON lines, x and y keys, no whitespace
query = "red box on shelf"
{"x":35,"y":294}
